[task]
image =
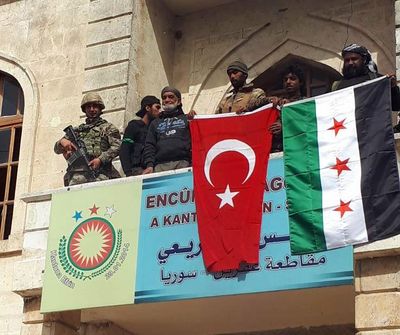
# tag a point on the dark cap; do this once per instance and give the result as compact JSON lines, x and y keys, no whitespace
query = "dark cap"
{"x":148,"y":100}
{"x":171,"y":89}
{"x":239,"y":66}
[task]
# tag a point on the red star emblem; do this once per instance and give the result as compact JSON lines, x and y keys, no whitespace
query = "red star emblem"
{"x":94,"y":209}
{"x":343,"y":208}
{"x":337,"y":125}
{"x":341,"y":166}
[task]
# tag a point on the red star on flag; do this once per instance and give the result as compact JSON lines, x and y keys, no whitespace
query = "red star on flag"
{"x":94,"y":209}
{"x":337,"y":125}
{"x":341,"y":166}
{"x":343,"y":208}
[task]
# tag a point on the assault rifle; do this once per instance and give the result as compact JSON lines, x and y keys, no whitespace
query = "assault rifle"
{"x":80,"y":156}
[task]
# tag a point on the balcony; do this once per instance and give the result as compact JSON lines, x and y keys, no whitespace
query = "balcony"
{"x":126,"y":251}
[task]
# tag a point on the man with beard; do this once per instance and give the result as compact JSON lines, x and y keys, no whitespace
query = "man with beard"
{"x":131,"y":152}
{"x":359,"y":67}
{"x":168,"y":143}
{"x":101,"y":139}
{"x":243,"y":97}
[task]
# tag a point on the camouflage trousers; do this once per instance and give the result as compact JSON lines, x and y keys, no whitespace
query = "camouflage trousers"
{"x":77,"y":178}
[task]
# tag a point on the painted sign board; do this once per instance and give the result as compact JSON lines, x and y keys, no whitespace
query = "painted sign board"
{"x":137,"y":242}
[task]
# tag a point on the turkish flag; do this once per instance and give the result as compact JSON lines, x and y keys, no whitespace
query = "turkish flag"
{"x":230,"y":156}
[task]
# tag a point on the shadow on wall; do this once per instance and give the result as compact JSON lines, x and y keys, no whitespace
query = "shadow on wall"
{"x":163,"y":24}
{"x":6,"y":2}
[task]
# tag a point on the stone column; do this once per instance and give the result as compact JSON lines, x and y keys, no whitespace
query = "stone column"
{"x":377,"y":284}
{"x":35,"y":323}
{"x":107,"y":55}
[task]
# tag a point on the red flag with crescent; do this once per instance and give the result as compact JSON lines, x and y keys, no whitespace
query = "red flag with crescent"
{"x":230,"y":156}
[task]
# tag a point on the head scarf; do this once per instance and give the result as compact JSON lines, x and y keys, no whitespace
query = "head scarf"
{"x":362,"y":51}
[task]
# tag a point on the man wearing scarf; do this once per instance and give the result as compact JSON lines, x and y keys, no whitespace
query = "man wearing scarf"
{"x":168,"y":143}
{"x":359,"y":67}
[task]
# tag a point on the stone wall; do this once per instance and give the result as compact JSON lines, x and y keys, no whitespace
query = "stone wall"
{"x":126,"y":49}
{"x":152,"y":49}
{"x":261,"y":33}
{"x":107,"y":55}
{"x":58,"y":50}
{"x":377,"y":269}
{"x":42,"y":44}
{"x":378,"y":298}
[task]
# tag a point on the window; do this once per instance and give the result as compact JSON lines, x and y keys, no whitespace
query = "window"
{"x":11,"y":116}
{"x":318,"y":77}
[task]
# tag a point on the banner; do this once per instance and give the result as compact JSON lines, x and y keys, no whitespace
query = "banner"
{"x":92,"y":247}
{"x":170,"y":259}
{"x":137,"y":242}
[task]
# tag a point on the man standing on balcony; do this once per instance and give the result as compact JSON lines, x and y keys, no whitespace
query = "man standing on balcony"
{"x":168,"y":143}
{"x":359,"y":67}
{"x":293,"y":82}
{"x":131,"y":153}
{"x":101,"y":141}
{"x":243,"y":97}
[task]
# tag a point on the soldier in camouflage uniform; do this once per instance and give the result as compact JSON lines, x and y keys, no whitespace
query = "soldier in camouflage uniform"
{"x":102,"y":140}
{"x":243,"y":97}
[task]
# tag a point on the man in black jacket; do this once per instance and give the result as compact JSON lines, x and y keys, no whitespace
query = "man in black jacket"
{"x":359,"y":67}
{"x":168,"y":144}
{"x":131,"y":152}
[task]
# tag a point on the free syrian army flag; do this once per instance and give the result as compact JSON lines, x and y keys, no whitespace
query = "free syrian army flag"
{"x":230,"y":154}
{"x":340,"y":168}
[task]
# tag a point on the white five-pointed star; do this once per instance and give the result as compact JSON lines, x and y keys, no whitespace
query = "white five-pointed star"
{"x":110,"y":211}
{"x":227,"y":197}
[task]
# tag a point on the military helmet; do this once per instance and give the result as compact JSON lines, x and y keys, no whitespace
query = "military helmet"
{"x":94,"y":98}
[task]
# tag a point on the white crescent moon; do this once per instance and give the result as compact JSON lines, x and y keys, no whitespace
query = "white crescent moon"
{"x":230,"y":145}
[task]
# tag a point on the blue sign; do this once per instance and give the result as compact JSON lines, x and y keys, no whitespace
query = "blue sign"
{"x":170,"y":264}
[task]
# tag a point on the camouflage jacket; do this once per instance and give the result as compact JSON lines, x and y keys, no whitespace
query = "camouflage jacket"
{"x":102,"y":140}
{"x":247,"y":97}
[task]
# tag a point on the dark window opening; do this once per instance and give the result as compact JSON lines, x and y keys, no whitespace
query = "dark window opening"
{"x":318,"y":77}
{"x":11,"y":116}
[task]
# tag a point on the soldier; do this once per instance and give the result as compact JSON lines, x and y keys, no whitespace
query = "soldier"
{"x":168,"y":143}
{"x":102,"y":141}
{"x":135,"y":136}
{"x":243,"y":97}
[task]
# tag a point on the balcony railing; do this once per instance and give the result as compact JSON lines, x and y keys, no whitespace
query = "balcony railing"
{"x":135,"y":240}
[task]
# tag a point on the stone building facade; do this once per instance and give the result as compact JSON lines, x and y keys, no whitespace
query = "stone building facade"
{"x":125,"y":49}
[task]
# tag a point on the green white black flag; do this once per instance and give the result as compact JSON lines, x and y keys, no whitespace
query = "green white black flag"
{"x":341,"y":169}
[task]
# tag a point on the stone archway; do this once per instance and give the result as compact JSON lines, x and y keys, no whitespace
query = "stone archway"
{"x":25,"y":78}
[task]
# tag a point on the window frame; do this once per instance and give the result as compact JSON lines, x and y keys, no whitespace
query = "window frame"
{"x":12,"y":122}
{"x":271,"y":79}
